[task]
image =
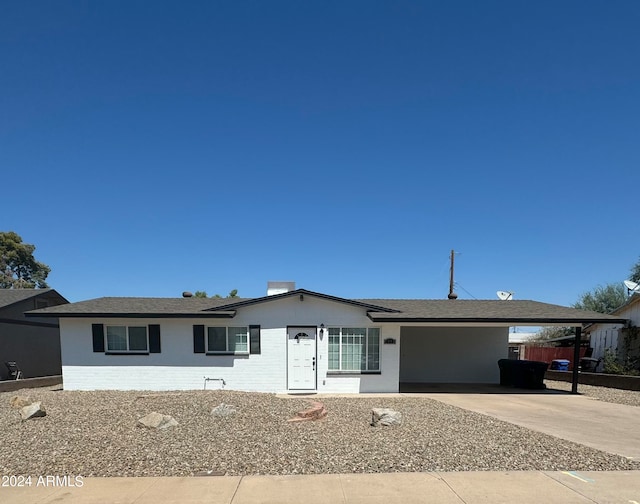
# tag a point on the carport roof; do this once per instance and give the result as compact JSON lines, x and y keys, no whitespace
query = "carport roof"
{"x":513,"y":312}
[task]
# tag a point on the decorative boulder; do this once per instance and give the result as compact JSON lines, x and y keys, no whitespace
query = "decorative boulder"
{"x":33,"y":410}
{"x":19,"y":402}
{"x":385,"y":417}
{"x":157,"y":421}
{"x":316,"y":411}
{"x":223,"y":410}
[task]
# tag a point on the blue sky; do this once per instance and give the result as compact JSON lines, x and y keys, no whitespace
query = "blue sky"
{"x":149,"y":148}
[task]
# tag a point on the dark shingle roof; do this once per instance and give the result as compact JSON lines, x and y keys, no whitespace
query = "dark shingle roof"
{"x":512,"y":312}
{"x":11,"y":296}
{"x":463,"y":310}
{"x":138,"y":306}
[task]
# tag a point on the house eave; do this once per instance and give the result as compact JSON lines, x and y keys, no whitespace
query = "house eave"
{"x":209,"y":315}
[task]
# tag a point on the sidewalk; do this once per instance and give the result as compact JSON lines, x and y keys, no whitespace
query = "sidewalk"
{"x":396,"y":488}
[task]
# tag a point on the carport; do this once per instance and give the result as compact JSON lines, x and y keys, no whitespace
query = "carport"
{"x":461,"y":341}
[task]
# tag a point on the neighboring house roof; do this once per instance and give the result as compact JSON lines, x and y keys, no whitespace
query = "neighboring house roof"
{"x":633,"y":299}
{"x":513,"y":312}
{"x":564,"y":339}
{"x":619,"y":311}
{"x":520,"y":337}
{"x":9,"y":297}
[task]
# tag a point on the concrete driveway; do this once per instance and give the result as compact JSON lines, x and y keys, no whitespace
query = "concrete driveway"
{"x":613,"y":428}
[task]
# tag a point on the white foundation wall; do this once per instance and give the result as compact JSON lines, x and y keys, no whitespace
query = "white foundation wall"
{"x":452,"y":354}
{"x":177,"y":367}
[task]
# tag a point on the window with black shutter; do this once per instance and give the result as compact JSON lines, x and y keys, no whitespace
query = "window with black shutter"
{"x":198,"y":339}
{"x":98,"y":337}
{"x":154,"y":338}
{"x":254,"y":339}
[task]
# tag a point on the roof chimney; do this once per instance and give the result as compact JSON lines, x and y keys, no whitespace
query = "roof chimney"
{"x":187,"y":294}
{"x":274,"y":288}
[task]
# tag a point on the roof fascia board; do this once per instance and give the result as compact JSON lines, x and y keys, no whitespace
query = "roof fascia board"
{"x":492,"y":320}
{"x":28,"y":323}
{"x":453,"y":324}
{"x":473,"y":324}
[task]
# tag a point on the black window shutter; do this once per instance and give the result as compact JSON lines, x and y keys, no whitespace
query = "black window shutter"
{"x":98,"y":337}
{"x":154,"y":338}
{"x":254,"y":339}
{"x":198,"y":339}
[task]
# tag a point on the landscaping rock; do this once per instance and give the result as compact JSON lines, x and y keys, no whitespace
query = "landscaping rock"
{"x":157,"y":421}
{"x":223,"y":410}
{"x":385,"y":417}
{"x":19,"y":402}
{"x":316,"y":411}
{"x":33,"y":410}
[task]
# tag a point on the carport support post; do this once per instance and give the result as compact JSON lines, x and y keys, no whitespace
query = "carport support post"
{"x":576,"y":360}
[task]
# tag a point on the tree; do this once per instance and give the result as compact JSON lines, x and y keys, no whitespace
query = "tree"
{"x":551,"y":332}
{"x":18,"y":268}
{"x":203,"y":294}
{"x":603,"y":299}
{"x":635,"y":272}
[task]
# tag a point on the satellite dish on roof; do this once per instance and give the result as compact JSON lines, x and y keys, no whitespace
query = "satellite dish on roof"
{"x":632,"y":287}
{"x":505,"y":295}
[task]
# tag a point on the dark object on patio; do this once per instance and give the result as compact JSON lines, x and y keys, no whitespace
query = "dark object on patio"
{"x":14,"y":370}
{"x":522,"y":373}
{"x":589,"y":364}
{"x":560,"y":364}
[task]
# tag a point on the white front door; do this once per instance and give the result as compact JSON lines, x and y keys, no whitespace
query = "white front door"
{"x":301,"y":349}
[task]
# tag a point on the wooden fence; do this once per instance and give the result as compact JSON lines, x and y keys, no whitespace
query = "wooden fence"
{"x":547,"y":354}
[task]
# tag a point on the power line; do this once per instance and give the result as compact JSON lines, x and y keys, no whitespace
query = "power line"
{"x":458,"y":285}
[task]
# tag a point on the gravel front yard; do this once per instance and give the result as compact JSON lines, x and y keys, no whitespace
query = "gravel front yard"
{"x":95,"y":434}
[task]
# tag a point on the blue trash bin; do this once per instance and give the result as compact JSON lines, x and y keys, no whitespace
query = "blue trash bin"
{"x":560,"y":365}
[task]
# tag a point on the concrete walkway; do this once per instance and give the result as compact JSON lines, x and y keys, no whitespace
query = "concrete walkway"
{"x":398,"y":488}
{"x":613,"y":428}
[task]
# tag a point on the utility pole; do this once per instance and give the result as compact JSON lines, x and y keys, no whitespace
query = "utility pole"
{"x":452,"y":295}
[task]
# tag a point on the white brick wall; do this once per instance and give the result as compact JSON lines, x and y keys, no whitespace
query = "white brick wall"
{"x":178,"y":368}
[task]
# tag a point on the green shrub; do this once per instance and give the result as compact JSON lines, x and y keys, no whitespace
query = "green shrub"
{"x":611,"y":364}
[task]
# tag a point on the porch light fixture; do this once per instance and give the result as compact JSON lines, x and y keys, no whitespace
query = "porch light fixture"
{"x":321,"y":330}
